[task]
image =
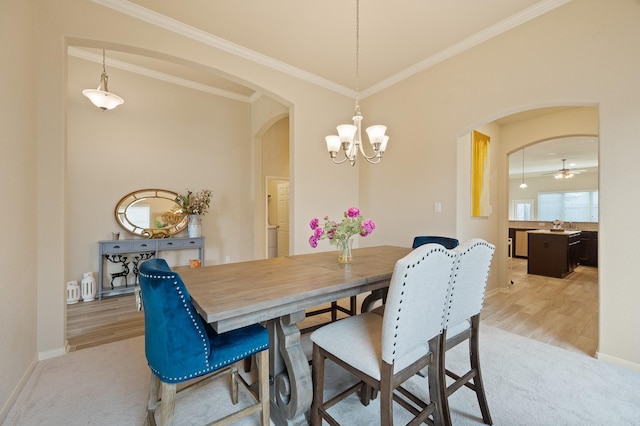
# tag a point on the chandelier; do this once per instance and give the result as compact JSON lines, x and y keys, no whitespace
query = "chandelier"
{"x":350,"y":135}
{"x":101,"y":97}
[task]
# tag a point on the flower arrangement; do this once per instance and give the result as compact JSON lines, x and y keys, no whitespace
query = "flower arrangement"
{"x":194,"y":202}
{"x":557,"y":224}
{"x":339,"y":233}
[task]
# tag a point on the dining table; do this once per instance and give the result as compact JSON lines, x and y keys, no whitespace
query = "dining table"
{"x":276,"y":292}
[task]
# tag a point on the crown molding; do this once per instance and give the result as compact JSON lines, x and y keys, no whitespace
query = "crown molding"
{"x":501,"y":27}
{"x":170,"y":24}
{"x":114,"y":63}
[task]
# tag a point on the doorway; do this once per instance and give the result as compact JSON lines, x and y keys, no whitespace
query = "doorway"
{"x":574,"y":130}
{"x":278,"y":206}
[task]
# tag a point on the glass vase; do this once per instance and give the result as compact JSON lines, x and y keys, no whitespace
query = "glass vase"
{"x":194,"y":228}
{"x":344,"y":251}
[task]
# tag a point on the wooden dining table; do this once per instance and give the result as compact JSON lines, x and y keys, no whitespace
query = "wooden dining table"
{"x":276,"y":292}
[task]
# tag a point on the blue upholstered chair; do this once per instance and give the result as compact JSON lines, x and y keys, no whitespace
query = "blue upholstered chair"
{"x":447,"y":242}
{"x":369,"y":302}
{"x":385,"y":351}
{"x":180,"y":346}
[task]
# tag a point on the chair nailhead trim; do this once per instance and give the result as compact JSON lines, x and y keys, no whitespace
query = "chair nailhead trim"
{"x":209,"y":368}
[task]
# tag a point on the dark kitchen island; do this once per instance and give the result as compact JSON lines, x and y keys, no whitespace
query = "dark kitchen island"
{"x":553,"y":254}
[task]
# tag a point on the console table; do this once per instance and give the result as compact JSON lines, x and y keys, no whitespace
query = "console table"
{"x":150,"y":246}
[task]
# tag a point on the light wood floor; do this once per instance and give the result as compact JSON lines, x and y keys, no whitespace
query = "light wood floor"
{"x":560,"y":312}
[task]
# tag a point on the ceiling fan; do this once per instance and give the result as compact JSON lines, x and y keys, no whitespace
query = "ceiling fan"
{"x":565,"y":173}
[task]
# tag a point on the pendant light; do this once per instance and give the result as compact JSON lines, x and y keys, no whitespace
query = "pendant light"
{"x":101,"y":97}
{"x":523,"y":185}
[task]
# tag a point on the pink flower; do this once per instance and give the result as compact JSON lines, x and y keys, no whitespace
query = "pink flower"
{"x":367,"y":227}
{"x":352,"y":224}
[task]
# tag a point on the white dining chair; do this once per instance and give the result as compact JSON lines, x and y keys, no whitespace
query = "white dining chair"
{"x":462,"y":321}
{"x":384,"y":352}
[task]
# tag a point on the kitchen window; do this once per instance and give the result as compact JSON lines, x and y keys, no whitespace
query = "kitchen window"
{"x":570,"y":206}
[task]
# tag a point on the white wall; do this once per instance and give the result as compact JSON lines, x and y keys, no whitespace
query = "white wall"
{"x":566,"y":57}
{"x":18,"y":256}
{"x":583,"y":53}
{"x":164,"y":136}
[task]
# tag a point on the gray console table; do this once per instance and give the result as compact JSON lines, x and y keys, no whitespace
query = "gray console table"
{"x":151,"y":246}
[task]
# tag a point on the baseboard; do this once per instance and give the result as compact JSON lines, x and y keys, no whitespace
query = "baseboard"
{"x":633,"y":366}
{"x":51,"y":353}
{"x":16,"y":392}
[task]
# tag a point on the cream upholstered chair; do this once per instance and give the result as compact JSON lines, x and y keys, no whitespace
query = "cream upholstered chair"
{"x":181,"y":347}
{"x":381,"y":294}
{"x":463,"y":320}
{"x":383,"y":352}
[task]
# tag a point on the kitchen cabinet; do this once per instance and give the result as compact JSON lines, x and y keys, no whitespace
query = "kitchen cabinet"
{"x":553,"y":254}
{"x":589,"y":248}
{"x":519,"y":241}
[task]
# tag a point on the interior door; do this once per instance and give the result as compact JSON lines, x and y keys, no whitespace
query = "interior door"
{"x":283,"y":219}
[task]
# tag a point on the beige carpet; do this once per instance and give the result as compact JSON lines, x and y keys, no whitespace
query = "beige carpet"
{"x":528,"y":383}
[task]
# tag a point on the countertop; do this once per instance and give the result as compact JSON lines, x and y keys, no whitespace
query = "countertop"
{"x":547,"y":231}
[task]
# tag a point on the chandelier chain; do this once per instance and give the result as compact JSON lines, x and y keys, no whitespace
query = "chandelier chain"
{"x":357,"y":51}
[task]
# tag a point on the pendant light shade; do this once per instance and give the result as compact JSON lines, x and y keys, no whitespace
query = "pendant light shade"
{"x":523,"y":185}
{"x":101,"y":97}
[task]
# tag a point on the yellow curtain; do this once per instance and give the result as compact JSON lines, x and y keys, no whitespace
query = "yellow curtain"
{"x":479,"y":174}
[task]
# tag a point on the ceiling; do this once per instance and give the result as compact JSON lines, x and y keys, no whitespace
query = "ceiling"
{"x":316,"y":40}
{"x":581,"y":152}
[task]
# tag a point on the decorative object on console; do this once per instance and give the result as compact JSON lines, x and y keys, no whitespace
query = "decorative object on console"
{"x":194,"y":229}
{"x":136,"y":261}
{"x":89,"y":289}
{"x":350,"y":135}
{"x":557,"y":225}
{"x":151,"y":213}
{"x":194,"y":204}
{"x":101,"y":97}
{"x":339,"y":234}
{"x":117,"y":258}
{"x":73,"y":292}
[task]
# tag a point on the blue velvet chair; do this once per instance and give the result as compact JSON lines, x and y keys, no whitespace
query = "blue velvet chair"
{"x":447,"y":242}
{"x":180,"y":346}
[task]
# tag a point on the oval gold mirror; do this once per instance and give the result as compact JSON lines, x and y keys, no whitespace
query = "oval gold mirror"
{"x":151,"y":213}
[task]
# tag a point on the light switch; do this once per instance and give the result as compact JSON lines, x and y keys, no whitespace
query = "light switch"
{"x":437,"y":207}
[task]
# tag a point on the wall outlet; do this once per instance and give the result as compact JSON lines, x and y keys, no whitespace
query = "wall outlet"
{"x":227,"y":259}
{"x":437,"y":207}
{"x":540,"y":223}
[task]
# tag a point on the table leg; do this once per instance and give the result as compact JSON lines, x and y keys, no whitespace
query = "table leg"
{"x":291,"y":391}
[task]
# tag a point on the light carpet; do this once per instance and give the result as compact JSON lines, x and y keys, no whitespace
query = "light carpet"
{"x":527,"y":383}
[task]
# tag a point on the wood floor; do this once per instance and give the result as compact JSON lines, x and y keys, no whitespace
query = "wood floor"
{"x":560,"y":312}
